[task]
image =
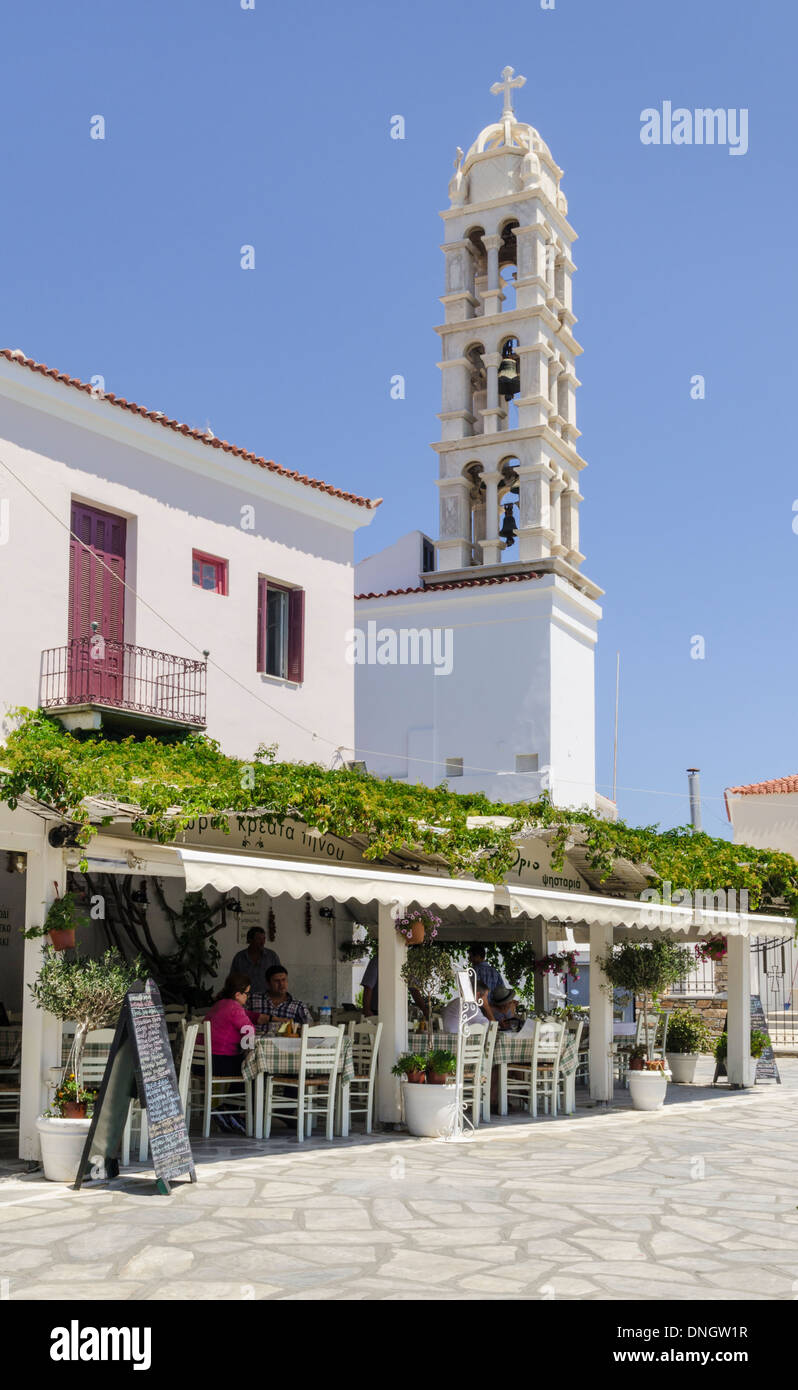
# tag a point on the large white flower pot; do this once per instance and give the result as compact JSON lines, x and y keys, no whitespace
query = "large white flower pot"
{"x":62,"y":1144}
{"x":429,"y":1110}
{"x":683,"y":1065}
{"x":647,"y":1089}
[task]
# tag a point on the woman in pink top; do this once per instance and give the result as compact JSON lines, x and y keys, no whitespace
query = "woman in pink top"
{"x":231,"y":1023}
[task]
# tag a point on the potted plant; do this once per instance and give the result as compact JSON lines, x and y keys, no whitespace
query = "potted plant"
{"x":644,"y":970}
{"x":90,"y":993}
{"x":688,"y":1037}
{"x":62,"y":918}
{"x":418,"y":926}
{"x":431,"y":1110}
{"x":441,"y":1066}
{"x":637,"y":1059}
{"x":429,"y":972}
{"x":413,"y":1067}
{"x":759,"y":1041}
{"x":71,"y":1101}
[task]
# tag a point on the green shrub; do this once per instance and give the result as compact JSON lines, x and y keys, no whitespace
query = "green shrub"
{"x":688,"y":1032}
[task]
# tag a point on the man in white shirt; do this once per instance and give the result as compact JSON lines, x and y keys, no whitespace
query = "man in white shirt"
{"x":450,"y":1014}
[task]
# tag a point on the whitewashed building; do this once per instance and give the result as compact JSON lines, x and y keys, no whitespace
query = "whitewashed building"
{"x":496,"y":688}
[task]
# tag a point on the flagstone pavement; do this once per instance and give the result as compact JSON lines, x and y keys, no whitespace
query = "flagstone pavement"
{"x":697,"y":1201}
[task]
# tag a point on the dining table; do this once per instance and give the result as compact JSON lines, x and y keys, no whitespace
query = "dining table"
{"x":280,"y":1056}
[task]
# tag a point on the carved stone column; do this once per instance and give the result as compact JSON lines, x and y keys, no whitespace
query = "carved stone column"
{"x":454,"y":546}
{"x":534,"y":532}
{"x":492,"y":296}
{"x":492,"y":545}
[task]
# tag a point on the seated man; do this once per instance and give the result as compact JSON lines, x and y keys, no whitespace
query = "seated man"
{"x":503,"y":1004}
{"x":450,"y":1014}
{"x":277,"y":1005}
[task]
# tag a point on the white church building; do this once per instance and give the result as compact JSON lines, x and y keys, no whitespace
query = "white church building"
{"x":476,"y":658}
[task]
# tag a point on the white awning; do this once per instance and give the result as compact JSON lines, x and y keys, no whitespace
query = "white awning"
{"x":586,"y":910}
{"x":342,"y":883}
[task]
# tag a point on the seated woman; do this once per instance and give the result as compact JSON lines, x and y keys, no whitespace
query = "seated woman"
{"x":231,"y":1023}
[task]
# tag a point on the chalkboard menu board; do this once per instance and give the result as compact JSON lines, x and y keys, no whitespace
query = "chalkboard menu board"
{"x":140,"y":1064}
{"x":766,"y":1065}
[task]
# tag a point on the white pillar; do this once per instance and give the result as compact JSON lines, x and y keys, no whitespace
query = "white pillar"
{"x":601,"y":1083}
{"x":492,"y":296}
{"x":739,"y":1011}
{"x":540,"y":945}
{"x":41,"y":1032}
{"x":492,"y":545}
{"x":393,"y":1015}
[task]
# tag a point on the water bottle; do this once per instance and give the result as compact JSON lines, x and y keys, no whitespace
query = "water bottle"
{"x":325,"y":1012}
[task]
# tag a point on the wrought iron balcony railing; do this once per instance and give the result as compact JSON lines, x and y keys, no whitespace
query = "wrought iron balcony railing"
{"x":119,"y":676}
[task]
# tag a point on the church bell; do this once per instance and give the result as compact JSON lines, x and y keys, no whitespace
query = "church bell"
{"x":509,"y":377}
{"x":508,"y":526}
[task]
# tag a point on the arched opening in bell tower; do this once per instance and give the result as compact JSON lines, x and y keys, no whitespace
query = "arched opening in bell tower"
{"x":508,"y":263}
{"x":478,"y":385}
{"x":508,"y":508}
{"x":475,"y":239}
{"x":509,"y":381}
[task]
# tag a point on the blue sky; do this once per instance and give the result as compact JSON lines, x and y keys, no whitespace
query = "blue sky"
{"x":271,"y":127}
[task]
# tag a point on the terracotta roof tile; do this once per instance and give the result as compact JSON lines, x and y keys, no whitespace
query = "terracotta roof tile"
{"x":456,"y":584}
{"x":201,"y":435}
{"x":776,"y":785}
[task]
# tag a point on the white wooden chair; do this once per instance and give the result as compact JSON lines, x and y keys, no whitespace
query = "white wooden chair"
{"x":358,"y":1097}
{"x":473,"y":1045}
{"x":569,"y":1065}
{"x":10,"y":1050}
{"x":316,"y":1085}
{"x":539,"y":1079}
{"x":487,"y":1069}
{"x":205,"y":1088}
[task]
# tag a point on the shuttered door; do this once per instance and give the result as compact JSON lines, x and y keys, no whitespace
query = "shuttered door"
{"x":96,"y":594}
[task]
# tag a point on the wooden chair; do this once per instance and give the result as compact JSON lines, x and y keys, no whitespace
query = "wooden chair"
{"x":315,"y":1084}
{"x":473,"y":1045}
{"x":540,"y":1077}
{"x":569,"y":1065}
{"x":205,"y":1087}
{"x":487,"y":1069}
{"x":10,"y":1057}
{"x":365,"y":1039}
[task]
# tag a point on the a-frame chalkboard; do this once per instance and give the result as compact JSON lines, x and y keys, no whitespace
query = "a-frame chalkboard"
{"x":766,"y":1066}
{"x":140,"y":1064}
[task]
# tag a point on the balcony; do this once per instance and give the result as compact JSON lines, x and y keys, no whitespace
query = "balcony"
{"x":92,"y":682}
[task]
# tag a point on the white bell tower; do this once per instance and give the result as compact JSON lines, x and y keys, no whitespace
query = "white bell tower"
{"x":511,"y":711}
{"x":508,"y":463}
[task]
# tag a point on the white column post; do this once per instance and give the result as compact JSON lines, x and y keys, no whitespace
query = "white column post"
{"x":492,"y":295}
{"x":540,"y":945}
{"x":739,"y":1011}
{"x":41,"y":1032}
{"x":601,"y":1081}
{"x":492,"y":545}
{"x":393,"y":1015}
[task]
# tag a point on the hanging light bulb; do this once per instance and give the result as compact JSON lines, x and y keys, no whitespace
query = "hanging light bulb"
{"x":508,"y":526}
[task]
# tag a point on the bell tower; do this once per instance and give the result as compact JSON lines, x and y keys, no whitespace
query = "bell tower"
{"x":508,"y":463}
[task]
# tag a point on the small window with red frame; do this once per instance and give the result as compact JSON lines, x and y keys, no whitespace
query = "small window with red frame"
{"x":208,"y":572}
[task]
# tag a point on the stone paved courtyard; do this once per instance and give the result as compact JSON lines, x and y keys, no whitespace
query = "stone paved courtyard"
{"x":697,"y":1201}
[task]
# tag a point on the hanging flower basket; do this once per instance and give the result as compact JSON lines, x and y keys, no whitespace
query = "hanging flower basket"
{"x":418,"y":927}
{"x":714,"y":948}
{"x":558,"y":963}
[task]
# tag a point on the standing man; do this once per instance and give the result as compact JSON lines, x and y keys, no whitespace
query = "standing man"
{"x":256,"y":960}
{"x":370,"y":984}
{"x":488,"y":977}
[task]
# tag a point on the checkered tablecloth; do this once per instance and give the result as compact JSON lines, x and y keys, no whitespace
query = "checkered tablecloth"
{"x":510,"y":1047}
{"x":274,"y":1056}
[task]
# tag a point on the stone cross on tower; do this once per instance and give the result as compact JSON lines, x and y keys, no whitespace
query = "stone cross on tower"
{"x":506,"y":87}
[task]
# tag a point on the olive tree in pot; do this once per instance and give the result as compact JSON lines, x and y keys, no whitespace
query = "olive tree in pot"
{"x":645,"y":970}
{"x":89,"y":993}
{"x":688,"y":1038}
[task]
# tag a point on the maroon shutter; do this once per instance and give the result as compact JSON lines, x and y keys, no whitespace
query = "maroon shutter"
{"x":296,"y":635}
{"x":261,"y":623}
{"x":96,"y":594}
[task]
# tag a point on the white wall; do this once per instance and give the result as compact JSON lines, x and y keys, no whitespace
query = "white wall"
{"x":522,"y":682}
{"x":178,"y":495}
{"x":398,"y":566}
{"x":765,"y":821}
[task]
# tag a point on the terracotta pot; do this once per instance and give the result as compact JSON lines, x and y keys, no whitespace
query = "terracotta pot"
{"x":75,"y":1109}
{"x":62,"y":938}
{"x":636,"y":1064}
{"x":416,"y":930}
{"x":418,"y":1077}
{"x":439,"y":1078}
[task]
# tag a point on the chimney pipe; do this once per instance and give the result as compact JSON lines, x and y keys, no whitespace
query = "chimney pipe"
{"x":694,"y":787}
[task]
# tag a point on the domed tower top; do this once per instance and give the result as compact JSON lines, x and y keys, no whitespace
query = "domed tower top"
{"x":508,"y":156}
